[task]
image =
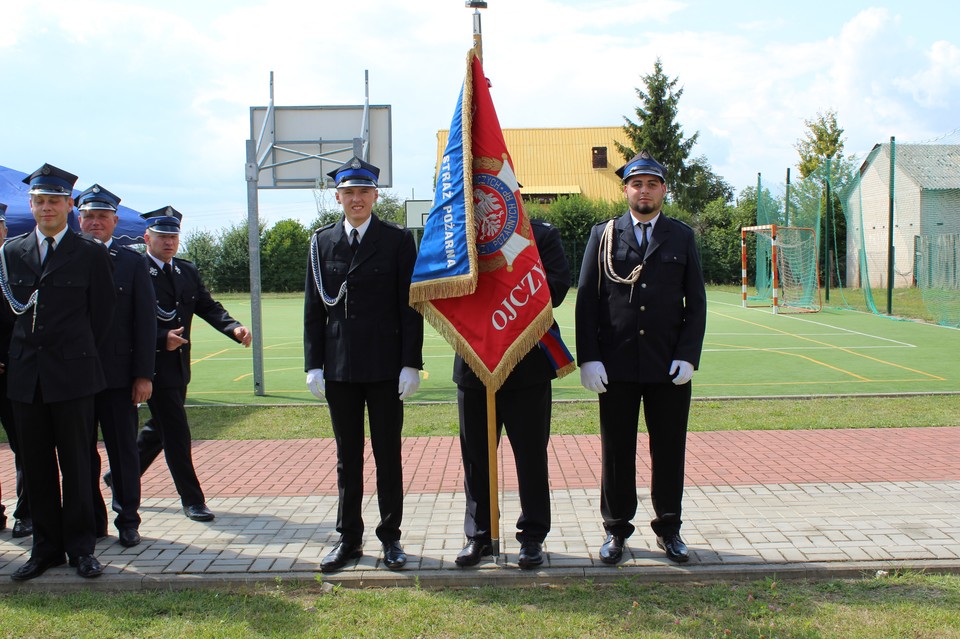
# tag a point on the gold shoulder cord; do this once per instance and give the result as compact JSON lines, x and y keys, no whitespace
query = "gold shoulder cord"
{"x":605,"y":259}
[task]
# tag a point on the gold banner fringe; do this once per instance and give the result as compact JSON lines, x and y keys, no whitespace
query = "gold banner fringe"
{"x":521,"y":346}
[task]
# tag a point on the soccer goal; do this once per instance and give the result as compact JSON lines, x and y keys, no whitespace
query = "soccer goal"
{"x":787,"y":276}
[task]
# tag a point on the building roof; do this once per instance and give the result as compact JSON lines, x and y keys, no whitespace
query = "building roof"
{"x":931,"y":166}
{"x":560,"y":161}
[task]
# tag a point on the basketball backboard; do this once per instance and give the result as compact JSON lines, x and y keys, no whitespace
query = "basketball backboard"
{"x":302,"y":144}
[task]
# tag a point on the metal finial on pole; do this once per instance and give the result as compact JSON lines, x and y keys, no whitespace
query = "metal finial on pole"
{"x":477,"y":34}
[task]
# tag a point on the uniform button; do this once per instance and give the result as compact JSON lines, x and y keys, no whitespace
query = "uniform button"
{"x":642,"y":332}
{"x":40,"y":328}
{"x":643,"y":308}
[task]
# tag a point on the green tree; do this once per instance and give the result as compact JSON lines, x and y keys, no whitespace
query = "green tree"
{"x":231,"y":272}
{"x":718,"y":232}
{"x":284,"y":256}
{"x":390,"y":207}
{"x":201,"y":248}
{"x":658,"y":131}
{"x":822,"y":141}
{"x":704,"y":186}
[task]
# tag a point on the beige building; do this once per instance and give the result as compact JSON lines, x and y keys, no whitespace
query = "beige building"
{"x":553,"y":162}
{"x":926,"y":205}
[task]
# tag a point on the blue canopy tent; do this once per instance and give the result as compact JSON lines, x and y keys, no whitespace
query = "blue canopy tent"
{"x":13,"y":193}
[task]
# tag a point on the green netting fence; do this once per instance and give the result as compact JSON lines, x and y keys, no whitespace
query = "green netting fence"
{"x":854,"y":237}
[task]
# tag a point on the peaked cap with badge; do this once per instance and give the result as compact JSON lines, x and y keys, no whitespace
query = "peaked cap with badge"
{"x":355,"y":172}
{"x":164,"y":220}
{"x":50,"y":180}
{"x":98,"y":198}
{"x":642,"y":164}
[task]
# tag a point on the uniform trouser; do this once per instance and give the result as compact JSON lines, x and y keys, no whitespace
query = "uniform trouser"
{"x":117,"y":416}
{"x":170,"y":419}
{"x":525,"y":415}
{"x":385,"y":410}
{"x":150,"y":444}
{"x":52,"y":433}
{"x":666,"y":408}
{"x":22,"y":509}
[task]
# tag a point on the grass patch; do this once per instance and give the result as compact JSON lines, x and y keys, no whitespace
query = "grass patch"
{"x":581,"y":418}
{"x":897,"y":605}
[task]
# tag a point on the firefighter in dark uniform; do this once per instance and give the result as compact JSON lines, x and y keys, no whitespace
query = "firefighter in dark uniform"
{"x":179,"y":295}
{"x":363,"y":348}
{"x":128,"y":363}
{"x":61,"y":289}
{"x":23,"y":523}
{"x":641,"y":316}
{"x":523,"y":409}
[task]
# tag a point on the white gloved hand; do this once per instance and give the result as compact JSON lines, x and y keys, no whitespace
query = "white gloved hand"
{"x":409,"y":382}
{"x":315,"y":383}
{"x":683,"y":371}
{"x":593,"y":377}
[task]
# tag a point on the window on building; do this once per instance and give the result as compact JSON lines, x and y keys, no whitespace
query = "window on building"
{"x":599,"y":157}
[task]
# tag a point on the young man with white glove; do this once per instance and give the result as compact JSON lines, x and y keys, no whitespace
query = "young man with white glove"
{"x":363,"y":349}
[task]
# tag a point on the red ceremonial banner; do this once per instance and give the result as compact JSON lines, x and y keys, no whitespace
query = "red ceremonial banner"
{"x":509,"y":310}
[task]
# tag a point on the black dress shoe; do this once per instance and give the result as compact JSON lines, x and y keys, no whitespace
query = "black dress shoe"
{"x":393,"y":556}
{"x":343,"y":552}
{"x":531,"y":554}
{"x":473,"y":552}
{"x":674,"y":547}
{"x":3,"y":522}
{"x":23,"y":527}
{"x":129,"y":537}
{"x":87,"y":566}
{"x":198,"y":512}
{"x":612,"y":549}
{"x":108,"y":479}
{"x":35,"y":568}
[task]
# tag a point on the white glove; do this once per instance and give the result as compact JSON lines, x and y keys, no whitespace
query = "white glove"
{"x":315,"y":383}
{"x":593,"y":376}
{"x":409,"y":382}
{"x":683,"y":371}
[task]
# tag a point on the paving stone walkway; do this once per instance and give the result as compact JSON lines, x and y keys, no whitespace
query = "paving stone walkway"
{"x":757,"y":504}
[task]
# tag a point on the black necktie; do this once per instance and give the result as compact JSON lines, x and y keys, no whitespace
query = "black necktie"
{"x":168,"y":271}
{"x":354,"y":240}
{"x":644,"y":242}
{"x":50,"y":247}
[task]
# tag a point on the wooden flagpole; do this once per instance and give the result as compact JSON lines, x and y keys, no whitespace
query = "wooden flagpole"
{"x":492,"y":466}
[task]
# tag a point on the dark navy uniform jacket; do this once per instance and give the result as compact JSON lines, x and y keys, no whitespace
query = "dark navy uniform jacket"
{"x":184,"y":292}
{"x":128,"y":353}
{"x":638,"y":334}
{"x":58,"y":348}
{"x":374,"y":332}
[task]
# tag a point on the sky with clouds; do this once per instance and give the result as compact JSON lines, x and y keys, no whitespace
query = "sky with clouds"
{"x":152,"y":99}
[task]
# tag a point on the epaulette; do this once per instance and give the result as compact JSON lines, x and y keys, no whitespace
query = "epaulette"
{"x":394,"y":225}
{"x":540,"y":222}
{"x":328,"y":226}
{"x":88,"y":238}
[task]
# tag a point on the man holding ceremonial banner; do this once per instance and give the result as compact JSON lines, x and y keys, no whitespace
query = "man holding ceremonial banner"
{"x":479,"y":280}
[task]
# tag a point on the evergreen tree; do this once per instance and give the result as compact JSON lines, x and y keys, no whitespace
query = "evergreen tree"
{"x":658,"y":131}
